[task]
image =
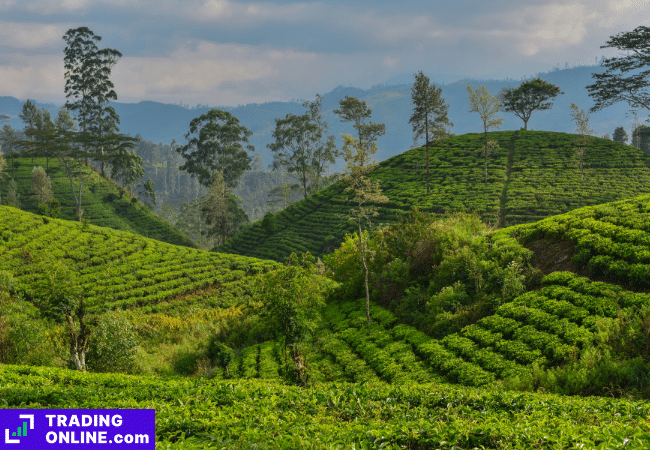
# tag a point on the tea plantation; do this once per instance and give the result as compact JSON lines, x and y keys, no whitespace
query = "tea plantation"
{"x":105,"y":203}
{"x":530,"y":176}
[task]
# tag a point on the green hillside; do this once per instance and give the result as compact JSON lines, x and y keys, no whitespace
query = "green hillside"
{"x":120,"y":270}
{"x":530,"y":176}
{"x":105,"y":203}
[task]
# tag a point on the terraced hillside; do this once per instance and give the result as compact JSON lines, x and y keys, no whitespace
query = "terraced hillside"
{"x":105,"y":203}
{"x":530,"y":176}
{"x":119,"y":270}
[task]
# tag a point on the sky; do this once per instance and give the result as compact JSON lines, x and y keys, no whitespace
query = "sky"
{"x":230,"y":53}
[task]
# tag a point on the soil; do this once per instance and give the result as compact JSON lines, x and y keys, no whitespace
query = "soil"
{"x":553,"y":256}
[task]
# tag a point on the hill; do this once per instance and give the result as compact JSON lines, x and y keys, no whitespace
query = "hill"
{"x":120,"y":270}
{"x":530,"y":176}
{"x":105,"y":203}
{"x":390,"y":104}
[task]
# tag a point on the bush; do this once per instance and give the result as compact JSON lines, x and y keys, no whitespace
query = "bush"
{"x":113,"y":345}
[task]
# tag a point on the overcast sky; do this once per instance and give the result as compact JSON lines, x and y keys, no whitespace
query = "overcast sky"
{"x":225,"y":53}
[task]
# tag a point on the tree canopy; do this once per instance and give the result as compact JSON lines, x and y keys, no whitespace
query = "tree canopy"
{"x":528,"y":97}
{"x":429,"y":118}
{"x":217,"y":146}
{"x":611,"y":87}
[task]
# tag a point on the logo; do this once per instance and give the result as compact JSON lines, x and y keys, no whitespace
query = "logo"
{"x":21,"y":430}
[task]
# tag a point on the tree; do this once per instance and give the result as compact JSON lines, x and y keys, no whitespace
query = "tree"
{"x":58,"y":294}
{"x":486,"y":105}
{"x":299,"y":147}
{"x":358,"y":158}
{"x":611,"y":87}
{"x":65,"y":145}
{"x":217,"y":147}
{"x":9,"y":139}
{"x":607,"y":137}
{"x":43,"y":122}
{"x":12,"y":197}
{"x":148,"y":190}
{"x":429,"y":116}
{"x":28,"y":116}
{"x":355,"y":110}
{"x":87,"y":78}
{"x":128,"y":168}
{"x":620,"y":135}
{"x":41,"y":185}
{"x":289,"y":299}
{"x":582,"y":128}
{"x":641,"y":138}
{"x":3,"y":165}
{"x":216,"y":208}
{"x":528,"y":97}
{"x":282,"y":196}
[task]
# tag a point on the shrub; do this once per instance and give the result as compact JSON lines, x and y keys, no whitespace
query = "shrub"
{"x":113,"y":345}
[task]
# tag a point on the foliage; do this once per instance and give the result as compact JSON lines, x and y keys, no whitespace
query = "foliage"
{"x":359,"y":161}
{"x":583,"y":130}
{"x":528,"y":97}
{"x":300,"y":149}
{"x":113,"y":345}
{"x":611,"y":87}
{"x":217,"y":147}
{"x":12,"y":198}
{"x":220,"y":354}
{"x":620,"y":135}
{"x":41,"y":185}
{"x":429,"y":116}
{"x":355,"y":110}
{"x":486,"y":105}
{"x":288,"y":302}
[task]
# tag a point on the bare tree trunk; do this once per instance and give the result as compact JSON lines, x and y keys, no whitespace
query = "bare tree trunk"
{"x":78,"y":341}
{"x":299,"y":361}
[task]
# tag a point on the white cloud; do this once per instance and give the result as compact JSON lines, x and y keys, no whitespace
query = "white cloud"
{"x":19,"y":35}
{"x":389,"y":62}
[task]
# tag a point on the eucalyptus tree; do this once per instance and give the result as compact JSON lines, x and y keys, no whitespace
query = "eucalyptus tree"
{"x":87,"y":79}
{"x":28,"y":116}
{"x":612,"y":87}
{"x":429,"y":116}
{"x":583,"y":130}
{"x":620,"y":135}
{"x":300,"y":149}
{"x":217,"y":146}
{"x":528,"y":97}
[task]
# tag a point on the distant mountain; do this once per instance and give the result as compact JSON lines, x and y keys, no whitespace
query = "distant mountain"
{"x":390,"y":104}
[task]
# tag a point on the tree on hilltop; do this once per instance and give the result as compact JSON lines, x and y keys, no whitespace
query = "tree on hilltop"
{"x":9,"y":139}
{"x":28,"y":116}
{"x":429,"y":116}
{"x":583,"y":130}
{"x":528,"y":97}
{"x":486,"y":105}
{"x":611,"y":87}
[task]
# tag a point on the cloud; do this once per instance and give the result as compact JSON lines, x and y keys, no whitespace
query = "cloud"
{"x":389,"y":62}
{"x":19,"y":35}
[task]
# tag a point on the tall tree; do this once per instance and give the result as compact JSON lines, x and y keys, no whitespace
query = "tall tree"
{"x":611,"y":87}
{"x":216,"y":208}
{"x":641,"y":138}
{"x":87,"y":78}
{"x":299,"y":147}
{"x":128,"y":168}
{"x":528,"y":97}
{"x":28,"y":116}
{"x":583,"y":130}
{"x":43,"y":122}
{"x":486,"y":105}
{"x":217,"y":147}
{"x":620,"y":135}
{"x":355,"y":110}
{"x":359,"y":161}
{"x":9,"y":139}
{"x":429,"y":116}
